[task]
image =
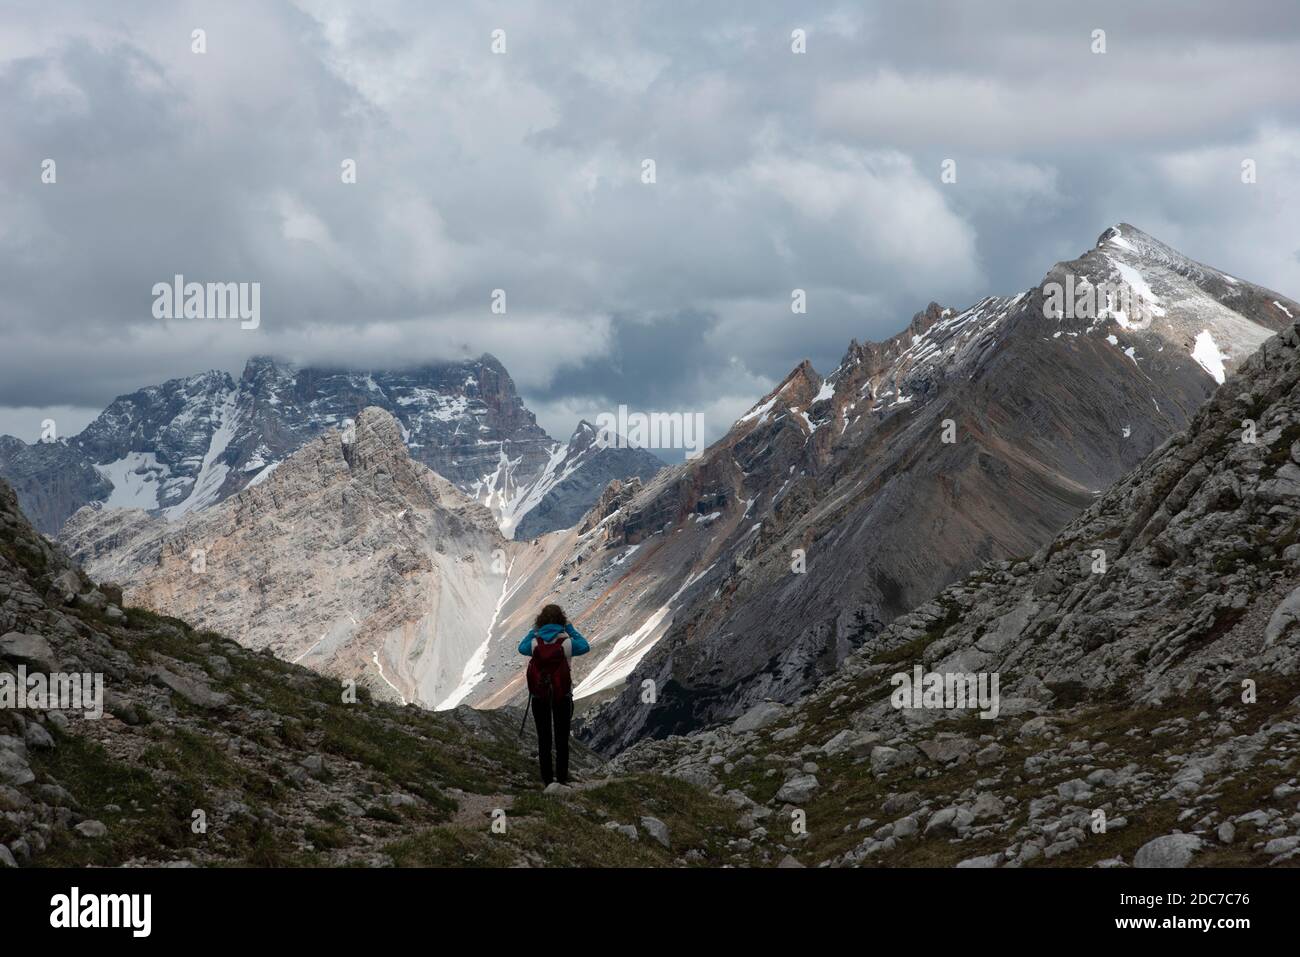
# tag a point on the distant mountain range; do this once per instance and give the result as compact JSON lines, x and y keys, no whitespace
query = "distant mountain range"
{"x":1146,"y":715}
{"x":835,"y":505}
{"x":190,"y":443}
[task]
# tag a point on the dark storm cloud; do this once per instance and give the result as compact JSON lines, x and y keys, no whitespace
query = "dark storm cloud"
{"x":679,"y":341}
{"x":521,"y":172}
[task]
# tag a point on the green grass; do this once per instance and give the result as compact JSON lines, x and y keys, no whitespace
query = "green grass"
{"x":451,"y":847}
{"x":148,"y":823}
{"x":327,"y":836}
{"x":544,"y":830}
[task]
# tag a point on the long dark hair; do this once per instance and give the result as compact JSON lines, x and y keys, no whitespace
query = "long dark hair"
{"x":550,"y":615}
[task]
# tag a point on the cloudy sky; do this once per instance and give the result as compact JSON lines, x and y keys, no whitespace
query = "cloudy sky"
{"x":522,"y":171}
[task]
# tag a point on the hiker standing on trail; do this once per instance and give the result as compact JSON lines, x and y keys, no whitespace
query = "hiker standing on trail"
{"x":550,"y":644}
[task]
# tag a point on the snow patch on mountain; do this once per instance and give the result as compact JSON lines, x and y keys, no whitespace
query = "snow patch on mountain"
{"x":136,"y":479}
{"x":630,"y":649}
{"x":1141,"y":289}
{"x":1208,"y":356}
{"x":511,"y":511}
{"x":475,"y":667}
{"x":213,"y":472}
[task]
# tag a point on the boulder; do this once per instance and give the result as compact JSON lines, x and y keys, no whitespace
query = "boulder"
{"x":1282,"y":845}
{"x":760,"y":716}
{"x":66,"y":585}
{"x":798,"y":789}
{"x":949,"y":821}
{"x":884,"y":758}
{"x":28,"y":649}
{"x":1284,"y":616}
{"x":657,"y":829}
{"x":314,"y":765}
{"x":987,"y":805}
{"x":196,"y":693}
{"x":1076,"y":789}
{"x":904,"y":803}
{"x":943,"y":750}
{"x":905,"y":827}
{"x":1172,"y":850}
{"x":37,"y":737}
{"x":627,"y":830}
{"x":14,"y":769}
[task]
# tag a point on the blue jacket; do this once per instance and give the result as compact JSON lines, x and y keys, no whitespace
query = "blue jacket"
{"x":550,"y":633}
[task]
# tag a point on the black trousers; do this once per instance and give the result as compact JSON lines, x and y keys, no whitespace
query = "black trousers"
{"x":548,"y":715}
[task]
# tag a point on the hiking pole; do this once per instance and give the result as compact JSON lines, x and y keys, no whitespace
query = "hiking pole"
{"x":524,"y":719}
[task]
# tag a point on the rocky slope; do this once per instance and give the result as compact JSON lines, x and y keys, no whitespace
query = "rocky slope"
{"x":1149,"y":664}
{"x":838,"y":503}
{"x":209,"y":753}
{"x":192,"y":443}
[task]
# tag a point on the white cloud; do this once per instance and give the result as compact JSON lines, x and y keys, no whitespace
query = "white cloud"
{"x":520,"y":172}
{"x":894,"y":217}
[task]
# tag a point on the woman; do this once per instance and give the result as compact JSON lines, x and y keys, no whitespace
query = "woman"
{"x":550,"y":644}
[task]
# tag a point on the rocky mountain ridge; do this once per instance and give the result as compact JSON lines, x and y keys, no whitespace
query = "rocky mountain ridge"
{"x":838,"y":503}
{"x":190,"y":443}
{"x":1149,"y":664}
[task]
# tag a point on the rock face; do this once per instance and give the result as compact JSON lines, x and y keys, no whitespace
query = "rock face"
{"x":1135,"y":692}
{"x":191,"y":443}
{"x":1171,"y":578}
{"x":350,"y":558}
{"x":838,"y":503}
{"x":574,"y":480}
{"x":52,"y":479}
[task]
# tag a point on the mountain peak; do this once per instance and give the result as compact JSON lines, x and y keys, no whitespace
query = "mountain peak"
{"x":376,"y":429}
{"x":1125,"y":243}
{"x":1126,"y":240}
{"x":802,"y":380}
{"x":927,"y":317}
{"x":1126,"y":231}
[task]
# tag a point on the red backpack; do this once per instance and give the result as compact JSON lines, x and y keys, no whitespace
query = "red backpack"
{"x":548,"y":671}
